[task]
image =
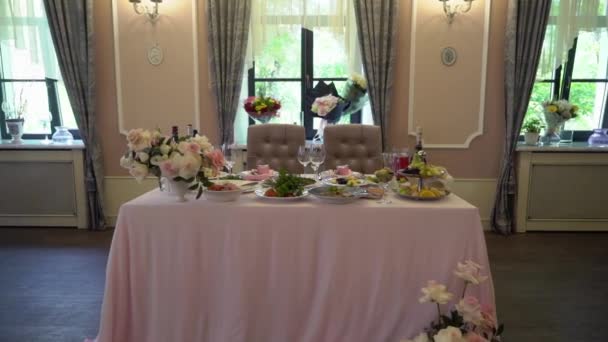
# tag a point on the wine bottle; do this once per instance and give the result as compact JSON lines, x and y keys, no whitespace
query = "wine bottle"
{"x":418,"y":146}
{"x":195,"y":133}
{"x":188,"y":130}
{"x":175,"y":133}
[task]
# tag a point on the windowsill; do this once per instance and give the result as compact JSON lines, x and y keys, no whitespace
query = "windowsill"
{"x":571,"y":147}
{"x":32,"y":144}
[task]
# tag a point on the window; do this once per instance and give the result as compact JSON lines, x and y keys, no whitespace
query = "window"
{"x":293,"y":59}
{"x":582,"y":78}
{"x":29,"y":72}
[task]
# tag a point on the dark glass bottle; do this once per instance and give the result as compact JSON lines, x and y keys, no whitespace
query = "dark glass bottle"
{"x":418,"y":146}
{"x":194,"y":132}
{"x":175,"y":133}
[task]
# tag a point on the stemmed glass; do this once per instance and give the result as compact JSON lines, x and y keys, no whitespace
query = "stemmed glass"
{"x":317,"y":157}
{"x":384,"y":179}
{"x":303,"y":156}
{"x":229,"y":157}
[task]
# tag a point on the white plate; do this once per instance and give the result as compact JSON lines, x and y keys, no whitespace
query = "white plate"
{"x":317,"y":192}
{"x":247,"y":173}
{"x":245,"y":185}
{"x":330,"y":181}
{"x":332,"y":173}
{"x":260,"y":193}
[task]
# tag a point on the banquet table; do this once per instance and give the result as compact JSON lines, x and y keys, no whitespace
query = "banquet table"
{"x":267,"y":271}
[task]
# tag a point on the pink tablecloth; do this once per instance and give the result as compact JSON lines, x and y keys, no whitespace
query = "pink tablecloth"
{"x":254,"y":271}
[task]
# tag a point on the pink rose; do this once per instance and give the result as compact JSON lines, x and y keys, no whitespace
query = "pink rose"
{"x":216,"y":157}
{"x":488,"y":318}
{"x":169,"y":169}
{"x":473,"y":337}
{"x":470,"y":309}
{"x":189,"y":147}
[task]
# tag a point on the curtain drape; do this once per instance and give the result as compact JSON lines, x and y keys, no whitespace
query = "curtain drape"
{"x":71,"y":24}
{"x":568,"y":18}
{"x":377,"y":24}
{"x":526,"y":24}
{"x":228,"y":30}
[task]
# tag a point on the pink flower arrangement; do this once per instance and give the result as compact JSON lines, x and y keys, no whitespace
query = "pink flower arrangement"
{"x":185,"y":159}
{"x":324,"y":105}
{"x":469,"y":320}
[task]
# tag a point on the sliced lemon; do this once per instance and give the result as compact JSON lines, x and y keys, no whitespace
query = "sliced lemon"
{"x":427,"y":193}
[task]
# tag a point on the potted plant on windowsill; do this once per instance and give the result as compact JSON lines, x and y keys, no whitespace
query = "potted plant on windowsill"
{"x":14,"y":118}
{"x":531,"y":130}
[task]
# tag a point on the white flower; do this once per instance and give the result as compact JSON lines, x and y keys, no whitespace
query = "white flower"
{"x":470,"y":309}
{"x":169,"y":168}
{"x":420,"y":338}
{"x":469,"y":271}
{"x":143,"y":157}
{"x":165,"y":149}
{"x":126,"y":162}
{"x":436,"y":293}
{"x":139,"y":171}
{"x":203,"y":142}
{"x":449,"y":334}
{"x":139,"y":139}
{"x":189,"y":166}
{"x":188,"y":147}
{"x":157,"y":159}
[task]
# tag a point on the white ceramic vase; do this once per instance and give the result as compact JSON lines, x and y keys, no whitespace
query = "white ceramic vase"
{"x":15,"y":129}
{"x":178,"y":189}
{"x":531,"y":138}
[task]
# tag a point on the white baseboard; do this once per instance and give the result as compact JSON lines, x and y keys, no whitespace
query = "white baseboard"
{"x":118,"y":190}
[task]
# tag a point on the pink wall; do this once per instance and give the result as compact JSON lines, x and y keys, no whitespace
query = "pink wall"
{"x":481,"y":160}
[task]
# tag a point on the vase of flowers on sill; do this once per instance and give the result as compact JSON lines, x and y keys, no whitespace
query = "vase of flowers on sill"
{"x":262,"y":109}
{"x":531,"y":129}
{"x":556,"y":114}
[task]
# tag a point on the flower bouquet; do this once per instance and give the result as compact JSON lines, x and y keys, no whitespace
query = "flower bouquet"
{"x":556,"y":113}
{"x":469,"y":320}
{"x":262,"y":108}
{"x":355,"y":92}
{"x":187,"y":162}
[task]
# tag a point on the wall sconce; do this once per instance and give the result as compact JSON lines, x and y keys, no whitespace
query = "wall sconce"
{"x":451,"y":10}
{"x":150,"y":12}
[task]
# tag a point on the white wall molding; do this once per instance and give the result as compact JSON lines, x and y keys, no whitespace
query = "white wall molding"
{"x":118,"y":69}
{"x":482,"y":95}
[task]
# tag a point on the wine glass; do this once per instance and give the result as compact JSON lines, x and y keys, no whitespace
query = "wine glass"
{"x":303,"y":156}
{"x":229,"y":157}
{"x":317,"y":157}
{"x":385,"y":178}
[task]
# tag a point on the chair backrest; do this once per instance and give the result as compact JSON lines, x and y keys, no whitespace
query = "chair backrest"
{"x":358,"y":146}
{"x":276,"y":145}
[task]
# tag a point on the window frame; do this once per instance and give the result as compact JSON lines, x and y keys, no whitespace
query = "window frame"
{"x":563,"y":79}
{"x":53,"y":101}
{"x":306,"y":81}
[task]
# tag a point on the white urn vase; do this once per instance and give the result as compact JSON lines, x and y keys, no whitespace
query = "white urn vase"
{"x":15,"y":129}
{"x":178,"y":189}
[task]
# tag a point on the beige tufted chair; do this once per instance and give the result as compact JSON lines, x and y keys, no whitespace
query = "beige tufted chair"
{"x":275,"y":145}
{"x":359,"y":146}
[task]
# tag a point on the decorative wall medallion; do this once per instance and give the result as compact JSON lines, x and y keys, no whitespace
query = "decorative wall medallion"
{"x":155,"y":55}
{"x":448,"y":56}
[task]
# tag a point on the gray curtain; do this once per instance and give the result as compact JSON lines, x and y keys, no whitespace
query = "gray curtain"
{"x":228,"y":31}
{"x":377,"y":24}
{"x":71,"y":24}
{"x":526,"y":24}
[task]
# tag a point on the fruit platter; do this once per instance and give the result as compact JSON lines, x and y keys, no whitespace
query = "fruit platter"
{"x":422,"y":181}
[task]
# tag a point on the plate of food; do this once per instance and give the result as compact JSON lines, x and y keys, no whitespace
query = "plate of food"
{"x":255,"y":175}
{"x":304,"y":181}
{"x":285,"y":187}
{"x":245,"y":185}
{"x":225,"y":192}
{"x":337,"y":194}
{"x":348,"y":181}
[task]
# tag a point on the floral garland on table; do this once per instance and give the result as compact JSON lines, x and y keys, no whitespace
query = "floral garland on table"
{"x":262,"y":108}
{"x":189,"y":159}
{"x":469,"y":321}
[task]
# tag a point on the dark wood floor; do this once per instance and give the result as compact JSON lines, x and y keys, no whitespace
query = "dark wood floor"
{"x":549,"y":287}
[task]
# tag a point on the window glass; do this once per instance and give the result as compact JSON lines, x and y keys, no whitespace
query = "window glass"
{"x":289,"y":93}
{"x":281,"y":56}
{"x":329,"y":58}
